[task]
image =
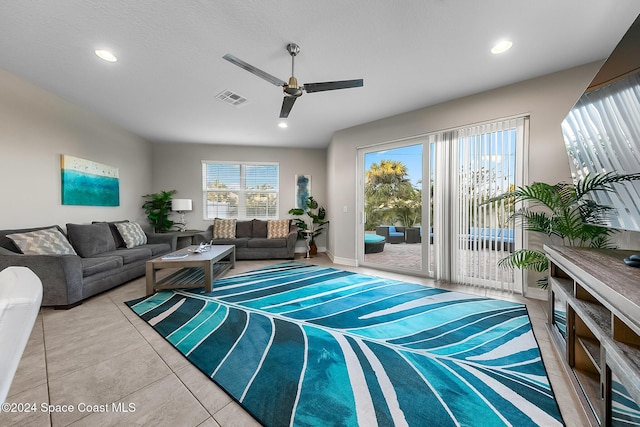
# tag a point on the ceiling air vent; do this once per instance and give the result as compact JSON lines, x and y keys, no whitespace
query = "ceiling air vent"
{"x":231,"y":98}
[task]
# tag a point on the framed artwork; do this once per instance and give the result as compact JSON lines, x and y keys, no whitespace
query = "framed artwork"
{"x":88,"y":183}
{"x":303,"y":190}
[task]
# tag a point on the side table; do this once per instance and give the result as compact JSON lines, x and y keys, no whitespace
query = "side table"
{"x":185,"y":238}
{"x":412,"y":235}
{"x":307,"y":240}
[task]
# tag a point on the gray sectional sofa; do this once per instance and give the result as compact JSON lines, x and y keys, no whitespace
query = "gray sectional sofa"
{"x":252,"y":242}
{"x":101,"y":260}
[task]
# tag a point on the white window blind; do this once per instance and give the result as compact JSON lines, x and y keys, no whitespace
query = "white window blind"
{"x":240,"y":190}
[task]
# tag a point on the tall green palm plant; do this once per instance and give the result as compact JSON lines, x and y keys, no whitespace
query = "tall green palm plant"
{"x":565,"y":214}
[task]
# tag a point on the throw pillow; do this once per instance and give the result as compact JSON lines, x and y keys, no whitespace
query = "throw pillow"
{"x":49,"y":241}
{"x":259,"y":228}
{"x":132,"y":234}
{"x":114,"y":232}
{"x":244,"y":229}
{"x":278,"y":229}
{"x":224,"y":228}
{"x":91,"y":239}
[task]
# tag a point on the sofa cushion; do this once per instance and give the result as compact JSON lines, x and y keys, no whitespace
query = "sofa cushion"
{"x":91,"y":266}
{"x":132,"y":234}
{"x":49,"y":241}
{"x":130,"y":255}
{"x":278,"y":229}
{"x":91,"y":239}
{"x":158,"y":248}
{"x":263,"y":242}
{"x":240,"y":242}
{"x":114,"y":231}
{"x":224,"y":228}
{"x":259,"y":228}
{"x":244,"y":228}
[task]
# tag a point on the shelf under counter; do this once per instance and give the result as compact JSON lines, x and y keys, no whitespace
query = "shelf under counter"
{"x":603,"y":272}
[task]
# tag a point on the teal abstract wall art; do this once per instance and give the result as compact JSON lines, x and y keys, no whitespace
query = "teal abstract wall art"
{"x":303,"y":190}
{"x":88,"y":183}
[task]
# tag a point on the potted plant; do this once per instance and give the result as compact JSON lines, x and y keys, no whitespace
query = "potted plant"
{"x":316,"y":214}
{"x":565,"y":214}
{"x":158,"y":208}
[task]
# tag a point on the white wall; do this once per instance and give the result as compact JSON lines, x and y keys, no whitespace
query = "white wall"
{"x":178,"y":167}
{"x":36,"y":127}
{"x":546,"y":99}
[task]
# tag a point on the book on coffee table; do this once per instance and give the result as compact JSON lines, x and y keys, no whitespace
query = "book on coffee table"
{"x":175,"y":256}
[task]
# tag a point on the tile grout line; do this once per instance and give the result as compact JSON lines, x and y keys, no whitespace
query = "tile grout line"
{"x":46,"y":364}
{"x":173,"y":372}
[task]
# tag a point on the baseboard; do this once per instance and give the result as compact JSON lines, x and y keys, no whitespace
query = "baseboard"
{"x":303,"y":250}
{"x":344,"y":261}
{"x":536,"y":292}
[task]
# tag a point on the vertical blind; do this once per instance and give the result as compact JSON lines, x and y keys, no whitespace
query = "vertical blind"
{"x":488,"y":164}
{"x":240,"y":190}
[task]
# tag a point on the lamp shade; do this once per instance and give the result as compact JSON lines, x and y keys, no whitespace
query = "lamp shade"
{"x":181,"y":205}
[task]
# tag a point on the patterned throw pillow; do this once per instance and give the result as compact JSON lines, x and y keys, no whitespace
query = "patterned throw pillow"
{"x":278,"y":229}
{"x":224,"y":228}
{"x":49,"y":241}
{"x":132,"y":234}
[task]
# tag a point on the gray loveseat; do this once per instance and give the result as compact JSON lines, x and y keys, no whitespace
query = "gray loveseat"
{"x":252,"y":242}
{"x":102,"y":261}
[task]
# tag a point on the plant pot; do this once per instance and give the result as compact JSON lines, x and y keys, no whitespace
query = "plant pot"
{"x":313,"y":249}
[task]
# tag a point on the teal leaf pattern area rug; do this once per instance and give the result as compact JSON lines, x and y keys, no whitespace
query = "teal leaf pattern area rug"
{"x":303,"y":345}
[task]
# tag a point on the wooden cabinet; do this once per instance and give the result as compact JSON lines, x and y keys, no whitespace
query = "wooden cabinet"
{"x":594,"y":316}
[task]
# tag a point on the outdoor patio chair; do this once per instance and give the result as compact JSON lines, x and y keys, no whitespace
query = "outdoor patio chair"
{"x":391,"y":233}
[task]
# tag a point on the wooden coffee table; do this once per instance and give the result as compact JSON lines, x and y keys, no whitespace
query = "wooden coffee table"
{"x":194,"y":270}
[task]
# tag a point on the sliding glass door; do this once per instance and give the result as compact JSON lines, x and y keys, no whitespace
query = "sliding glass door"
{"x":395,"y":228}
{"x":425,"y":204}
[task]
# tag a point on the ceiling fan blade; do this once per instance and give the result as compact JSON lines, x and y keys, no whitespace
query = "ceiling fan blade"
{"x":343,"y":84}
{"x":287,"y":105}
{"x":258,"y":72}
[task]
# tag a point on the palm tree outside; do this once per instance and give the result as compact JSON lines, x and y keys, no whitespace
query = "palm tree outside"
{"x":390,"y":196}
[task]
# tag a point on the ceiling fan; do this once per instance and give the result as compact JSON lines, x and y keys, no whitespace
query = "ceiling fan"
{"x":291,"y":89}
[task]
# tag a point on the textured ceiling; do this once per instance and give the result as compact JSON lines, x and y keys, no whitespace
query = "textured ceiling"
{"x":411,"y":54}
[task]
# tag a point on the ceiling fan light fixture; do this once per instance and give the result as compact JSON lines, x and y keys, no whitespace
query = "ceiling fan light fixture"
{"x":501,"y":47}
{"x":106,"y":55}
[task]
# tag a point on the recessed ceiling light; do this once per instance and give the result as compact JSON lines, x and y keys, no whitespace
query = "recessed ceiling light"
{"x":106,"y":55}
{"x":501,"y":47}
{"x":282,"y":125}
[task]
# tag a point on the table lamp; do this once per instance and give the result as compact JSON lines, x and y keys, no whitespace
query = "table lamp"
{"x":181,"y":206}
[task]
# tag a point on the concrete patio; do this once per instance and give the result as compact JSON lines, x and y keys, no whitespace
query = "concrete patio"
{"x":477,"y":263}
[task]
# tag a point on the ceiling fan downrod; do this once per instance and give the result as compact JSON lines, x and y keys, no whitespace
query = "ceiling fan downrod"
{"x":292,"y":89}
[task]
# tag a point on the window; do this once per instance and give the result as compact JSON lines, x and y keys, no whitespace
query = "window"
{"x":240,"y":190}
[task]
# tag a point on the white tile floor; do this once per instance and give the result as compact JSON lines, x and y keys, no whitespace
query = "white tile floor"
{"x":100,"y":353}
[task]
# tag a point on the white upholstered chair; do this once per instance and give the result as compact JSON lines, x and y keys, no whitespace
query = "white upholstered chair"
{"x":20,"y":298}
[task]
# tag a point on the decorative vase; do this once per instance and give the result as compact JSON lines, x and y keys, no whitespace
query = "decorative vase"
{"x":313,"y":249}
